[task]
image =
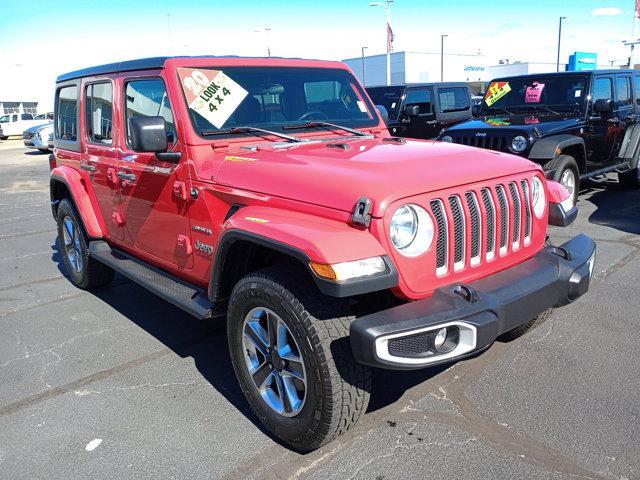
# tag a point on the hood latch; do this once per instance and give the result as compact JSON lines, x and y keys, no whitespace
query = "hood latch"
{"x":362,"y":212}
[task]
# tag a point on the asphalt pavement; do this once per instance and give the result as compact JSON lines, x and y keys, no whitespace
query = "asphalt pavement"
{"x":120,"y":384}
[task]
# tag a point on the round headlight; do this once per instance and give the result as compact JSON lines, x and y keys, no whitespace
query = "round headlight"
{"x":538,"y":199}
{"x":519,"y":144}
{"x":447,"y":138}
{"x":411,"y":230}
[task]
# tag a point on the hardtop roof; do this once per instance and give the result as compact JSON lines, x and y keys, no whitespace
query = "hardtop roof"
{"x":561,"y":74}
{"x":159,"y":62}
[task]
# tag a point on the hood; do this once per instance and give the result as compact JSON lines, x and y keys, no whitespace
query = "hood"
{"x":544,"y":124}
{"x":337,"y":176}
{"x":42,"y":126}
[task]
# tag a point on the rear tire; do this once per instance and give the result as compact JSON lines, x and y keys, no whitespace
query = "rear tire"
{"x":84,"y":271}
{"x":630,"y":179}
{"x":565,"y":171}
{"x":525,"y":327}
{"x":335,"y":390}
{"x":3,"y":138}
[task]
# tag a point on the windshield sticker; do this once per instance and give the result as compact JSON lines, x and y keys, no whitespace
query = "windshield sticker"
{"x":211,"y":93}
{"x":578,"y":93}
{"x":362,"y":106}
{"x":534,"y":93}
{"x":496,"y":91}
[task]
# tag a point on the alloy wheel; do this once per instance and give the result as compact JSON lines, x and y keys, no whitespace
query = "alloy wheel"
{"x":568,"y":181}
{"x":72,"y":244}
{"x":274,"y":362}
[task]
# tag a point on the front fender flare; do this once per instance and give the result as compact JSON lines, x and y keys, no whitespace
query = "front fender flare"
{"x":91,"y":219}
{"x":306,"y":238}
{"x":546,"y":148}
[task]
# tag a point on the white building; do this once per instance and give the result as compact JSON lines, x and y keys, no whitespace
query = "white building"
{"x":419,"y":67}
{"x":18,"y":107}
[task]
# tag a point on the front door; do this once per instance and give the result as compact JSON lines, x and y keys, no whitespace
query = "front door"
{"x":98,"y":156}
{"x":424,"y":124}
{"x":154,"y":192}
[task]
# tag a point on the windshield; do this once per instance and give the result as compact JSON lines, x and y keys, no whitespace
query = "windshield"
{"x":5,"y":118}
{"x":273,"y":97}
{"x":389,"y":97}
{"x":550,"y":94}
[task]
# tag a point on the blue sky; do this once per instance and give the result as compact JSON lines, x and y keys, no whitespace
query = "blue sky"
{"x":42,"y":38}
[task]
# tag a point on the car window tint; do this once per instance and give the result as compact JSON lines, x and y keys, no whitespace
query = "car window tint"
{"x":67,"y":109}
{"x":148,"y":98}
{"x":603,"y":89}
{"x":623,"y":91}
{"x":26,"y":116}
{"x":454,"y":99}
{"x":99,"y":112}
{"x":420,"y":97}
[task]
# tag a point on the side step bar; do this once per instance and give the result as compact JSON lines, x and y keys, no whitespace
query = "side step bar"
{"x":189,"y":298}
{"x":622,"y":166}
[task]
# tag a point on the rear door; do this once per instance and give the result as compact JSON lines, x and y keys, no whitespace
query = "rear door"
{"x":453,"y":106}
{"x":154,"y":192}
{"x":423,"y":125}
{"x":98,"y":153}
{"x":602,"y":128}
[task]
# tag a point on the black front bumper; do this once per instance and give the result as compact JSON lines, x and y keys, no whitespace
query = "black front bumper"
{"x":483,"y":309}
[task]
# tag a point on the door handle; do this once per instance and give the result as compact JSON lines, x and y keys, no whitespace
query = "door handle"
{"x":88,"y":167}
{"x":126,"y":176}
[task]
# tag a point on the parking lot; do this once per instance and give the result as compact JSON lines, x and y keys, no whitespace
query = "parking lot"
{"x":120,"y":384}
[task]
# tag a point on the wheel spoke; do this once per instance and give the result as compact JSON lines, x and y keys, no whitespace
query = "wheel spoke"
{"x":67,"y":232}
{"x":282,"y":393}
{"x":260,"y":375}
{"x":294,"y":369}
{"x":254,"y":333}
{"x":272,"y":327}
{"x":291,"y":400}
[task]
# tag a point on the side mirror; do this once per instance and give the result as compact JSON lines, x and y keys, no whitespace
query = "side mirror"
{"x":603,"y":106}
{"x":383,"y":113}
{"x":475,"y":110}
{"x":148,"y":134}
{"x":412,"y":110}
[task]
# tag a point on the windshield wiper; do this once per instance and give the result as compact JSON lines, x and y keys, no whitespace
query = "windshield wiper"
{"x":317,"y":124}
{"x":240,"y":130}
{"x":498,"y":109}
{"x":533,"y":108}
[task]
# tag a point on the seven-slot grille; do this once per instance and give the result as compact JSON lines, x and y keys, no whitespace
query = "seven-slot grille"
{"x":500,"y":144}
{"x":489,"y":222}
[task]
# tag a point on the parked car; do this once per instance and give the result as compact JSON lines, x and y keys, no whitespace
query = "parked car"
{"x":16,"y":123}
{"x":38,"y":137}
{"x":44,"y":116}
{"x":268,"y":195}
{"x":423,"y":110}
{"x":577,"y":125}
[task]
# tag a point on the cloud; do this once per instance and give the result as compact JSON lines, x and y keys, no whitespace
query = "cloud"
{"x":606,"y":12}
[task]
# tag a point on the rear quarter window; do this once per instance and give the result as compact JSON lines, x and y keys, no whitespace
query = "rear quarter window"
{"x":454,"y":99}
{"x":66,"y":121}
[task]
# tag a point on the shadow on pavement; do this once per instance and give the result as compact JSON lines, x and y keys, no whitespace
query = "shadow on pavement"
{"x":616,"y":207}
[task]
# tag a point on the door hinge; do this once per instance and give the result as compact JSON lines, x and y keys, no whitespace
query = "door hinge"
{"x":180,"y":190}
{"x":184,"y":242}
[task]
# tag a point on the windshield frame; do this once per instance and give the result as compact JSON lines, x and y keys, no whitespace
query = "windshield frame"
{"x":373,"y":123}
{"x":581,"y":110}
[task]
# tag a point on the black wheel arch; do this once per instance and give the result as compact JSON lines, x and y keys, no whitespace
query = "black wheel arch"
{"x":240,"y":252}
{"x":549,"y":148}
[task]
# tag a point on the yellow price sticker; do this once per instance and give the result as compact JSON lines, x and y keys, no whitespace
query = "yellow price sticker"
{"x":496,"y":91}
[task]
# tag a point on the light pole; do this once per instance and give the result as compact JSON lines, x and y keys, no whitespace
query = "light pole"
{"x":632,"y":46}
{"x":559,"y":42}
{"x":267,"y":31}
{"x":387,"y":7}
{"x":442,"y":37}
{"x":364,"y":81}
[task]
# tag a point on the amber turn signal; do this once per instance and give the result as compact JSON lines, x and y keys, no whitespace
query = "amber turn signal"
{"x":323,"y":270}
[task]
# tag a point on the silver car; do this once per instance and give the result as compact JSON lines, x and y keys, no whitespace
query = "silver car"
{"x":38,"y":137}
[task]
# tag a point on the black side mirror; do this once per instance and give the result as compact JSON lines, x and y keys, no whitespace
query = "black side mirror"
{"x":475,"y":110}
{"x":383,"y":113}
{"x":148,"y":134}
{"x":412,"y":110}
{"x":603,"y":106}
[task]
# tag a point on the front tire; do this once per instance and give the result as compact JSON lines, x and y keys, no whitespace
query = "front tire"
{"x":84,"y":271}
{"x":290,"y":350}
{"x":565,"y":171}
{"x":525,"y":327}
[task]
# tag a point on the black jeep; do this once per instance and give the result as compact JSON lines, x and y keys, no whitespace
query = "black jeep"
{"x":577,"y":125}
{"x":422,"y":110}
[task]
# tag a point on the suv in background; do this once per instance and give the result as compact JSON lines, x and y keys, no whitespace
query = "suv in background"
{"x":423,"y":110}
{"x":13,"y":124}
{"x":267,"y":195}
{"x":576,"y":125}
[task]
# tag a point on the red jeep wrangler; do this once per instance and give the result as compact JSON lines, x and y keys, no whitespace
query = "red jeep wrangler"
{"x":270,"y":193}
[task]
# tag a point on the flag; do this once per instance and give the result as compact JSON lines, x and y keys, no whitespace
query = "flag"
{"x":637,"y":8}
{"x":390,"y":35}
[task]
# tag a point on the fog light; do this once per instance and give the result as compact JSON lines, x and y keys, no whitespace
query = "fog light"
{"x":441,"y":337}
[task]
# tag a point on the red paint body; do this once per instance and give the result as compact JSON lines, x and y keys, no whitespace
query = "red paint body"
{"x":301,"y":195}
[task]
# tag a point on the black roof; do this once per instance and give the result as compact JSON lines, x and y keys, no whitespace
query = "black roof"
{"x":581,"y":72}
{"x":428,"y":84}
{"x":131,"y":65}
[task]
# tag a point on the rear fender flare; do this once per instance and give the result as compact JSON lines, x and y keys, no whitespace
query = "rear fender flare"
{"x":73,"y":181}
{"x":307,"y":239}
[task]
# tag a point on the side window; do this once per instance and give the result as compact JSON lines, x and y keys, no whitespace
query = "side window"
{"x":14,"y":118}
{"x":148,"y":98}
{"x":454,"y":99}
{"x":636,"y":89}
{"x":623,"y":91}
{"x":420,"y":97}
{"x":66,"y":114}
{"x":26,"y":116}
{"x":602,"y":89}
{"x":98,"y":106}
